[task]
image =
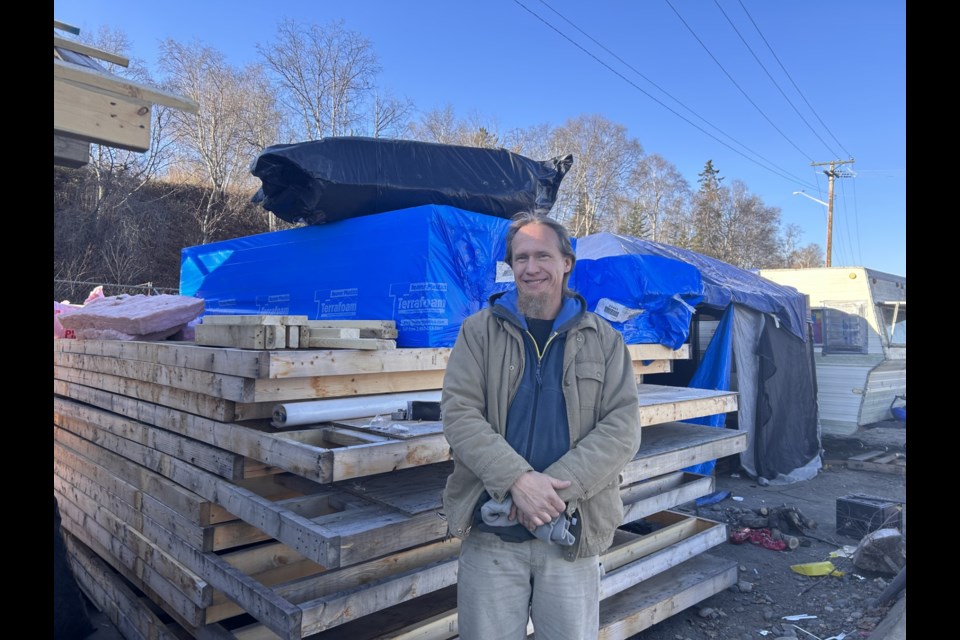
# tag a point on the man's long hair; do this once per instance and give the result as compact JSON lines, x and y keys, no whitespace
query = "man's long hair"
{"x":524,"y":218}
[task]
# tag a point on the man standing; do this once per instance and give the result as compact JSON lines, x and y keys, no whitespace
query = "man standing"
{"x":541,"y":412}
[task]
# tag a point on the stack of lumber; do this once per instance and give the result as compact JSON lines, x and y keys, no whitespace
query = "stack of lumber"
{"x":295,"y":332}
{"x":187,"y":514}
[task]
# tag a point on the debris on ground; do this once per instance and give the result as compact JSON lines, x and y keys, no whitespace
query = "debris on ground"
{"x":825,"y":568}
{"x":764,"y":538}
{"x":881,"y":551}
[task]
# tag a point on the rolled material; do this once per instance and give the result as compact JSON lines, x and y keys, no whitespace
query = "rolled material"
{"x":298,"y":413}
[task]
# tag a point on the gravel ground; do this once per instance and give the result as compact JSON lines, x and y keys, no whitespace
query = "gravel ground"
{"x":768,"y":588}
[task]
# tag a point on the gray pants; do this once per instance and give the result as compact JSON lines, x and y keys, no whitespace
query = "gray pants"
{"x":500,"y":585}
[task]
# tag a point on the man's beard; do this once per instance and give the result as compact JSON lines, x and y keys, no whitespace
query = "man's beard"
{"x":534,"y":305}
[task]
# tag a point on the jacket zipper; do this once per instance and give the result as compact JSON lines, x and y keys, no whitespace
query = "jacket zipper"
{"x":539,"y":376}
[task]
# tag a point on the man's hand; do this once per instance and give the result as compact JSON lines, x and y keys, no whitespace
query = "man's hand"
{"x":535,"y":499}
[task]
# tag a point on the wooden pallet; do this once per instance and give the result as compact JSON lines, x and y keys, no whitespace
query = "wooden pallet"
{"x":876,"y":460}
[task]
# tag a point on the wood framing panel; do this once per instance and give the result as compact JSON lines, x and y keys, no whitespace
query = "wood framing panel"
{"x":92,"y":116}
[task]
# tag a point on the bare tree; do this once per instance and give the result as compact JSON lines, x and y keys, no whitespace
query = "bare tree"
{"x":656,"y":202}
{"x":325,"y":75}
{"x":751,"y":231}
{"x":604,"y":157}
{"x":793,"y":256}
{"x":390,"y":115}
{"x":439,"y":125}
{"x":216,"y":146}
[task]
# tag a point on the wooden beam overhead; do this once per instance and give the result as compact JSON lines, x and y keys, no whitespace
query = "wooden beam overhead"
{"x":63,"y":70}
{"x":93,"y":116}
{"x":93,"y":52}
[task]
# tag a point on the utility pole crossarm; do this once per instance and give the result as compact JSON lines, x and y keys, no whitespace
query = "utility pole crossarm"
{"x":831,"y":175}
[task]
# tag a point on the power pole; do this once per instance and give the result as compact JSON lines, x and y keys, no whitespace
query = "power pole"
{"x":831,"y":174}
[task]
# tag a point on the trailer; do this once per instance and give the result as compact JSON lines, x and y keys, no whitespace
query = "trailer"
{"x":858,"y":321}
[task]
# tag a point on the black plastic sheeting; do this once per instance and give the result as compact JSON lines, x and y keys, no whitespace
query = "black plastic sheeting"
{"x":345,"y":177}
{"x":786,"y":435}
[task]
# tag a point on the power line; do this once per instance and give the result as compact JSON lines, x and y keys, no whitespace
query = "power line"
{"x":641,"y":90}
{"x":762,"y":66}
{"x":759,"y":110}
{"x":661,"y":89}
{"x":787,"y":73}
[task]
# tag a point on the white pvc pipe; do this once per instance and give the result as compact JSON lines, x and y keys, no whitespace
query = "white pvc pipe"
{"x":297,"y":413}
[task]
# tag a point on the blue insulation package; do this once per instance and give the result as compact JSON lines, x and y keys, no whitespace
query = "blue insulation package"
{"x":427,"y":268}
{"x":649,"y":299}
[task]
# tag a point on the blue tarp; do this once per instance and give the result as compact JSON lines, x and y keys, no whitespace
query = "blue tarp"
{"x":649,"y":299}
{"x":714,"y":373}
{"x":427,"y":268}
{"x":722,"y":283}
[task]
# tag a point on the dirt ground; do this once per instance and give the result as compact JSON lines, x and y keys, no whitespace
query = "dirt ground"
{"x":769,"y":589}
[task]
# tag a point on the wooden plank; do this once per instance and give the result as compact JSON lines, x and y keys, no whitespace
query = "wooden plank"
{"x":668,"y":554}
{"x":110,"y":593}
{"x":895,"y":467}
{"x":302,"y":459}
{"x":400,"y":429}
{"x":662,"y":450}
{"x":93,"y":52}
{"x":658,"y":352}
{"x":661,"y":403}
{"x":63,"y":26}
{"x":343,"y":607}
{"x":250,"y":363}
{"x":279,"y":615}
{"x":92,"y":116}
{"x":650,"y":367}
{"x":293,"y":337}
{"x":368,"y":344}
{"x":133,"y":550}
{"x":344,"y":333}
{"x":323,"y":594}
{"x":631,"y":611}
{"x":87,"y":522}
{"x":70,"y":152}
{"x":644,"y":498}
{"x":868,"y":455}
{"x":219,"y":385}
{"x":87,"y":421}
{"x":237,"y":336}
{"x":434,"y":617}
{"x":678,"y":445}
{"x":117,"y":86}
{"x":287,"y":389}
{"x":315,"y":363}
{"x":159,"y":516}
{"x":239,"y":389}
{"x":88,"y":457}
{"x":382,"y":456}
{"x":201,"y":404}
{"x":238,"y":362}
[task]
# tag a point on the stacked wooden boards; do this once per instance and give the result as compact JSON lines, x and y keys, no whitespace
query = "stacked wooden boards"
{"x":168,"y":472}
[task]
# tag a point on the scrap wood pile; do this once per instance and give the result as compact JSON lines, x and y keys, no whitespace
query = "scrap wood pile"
{"x":187,"y":512}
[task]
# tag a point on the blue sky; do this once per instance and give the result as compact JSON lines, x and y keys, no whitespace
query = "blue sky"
{"x":762,"y":88}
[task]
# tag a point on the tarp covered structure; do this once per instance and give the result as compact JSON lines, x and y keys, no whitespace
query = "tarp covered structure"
{"x":762,"y":337}
{"x":427,"y":268}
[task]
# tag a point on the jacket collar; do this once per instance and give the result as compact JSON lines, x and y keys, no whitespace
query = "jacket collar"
{"x":504,"y":305}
